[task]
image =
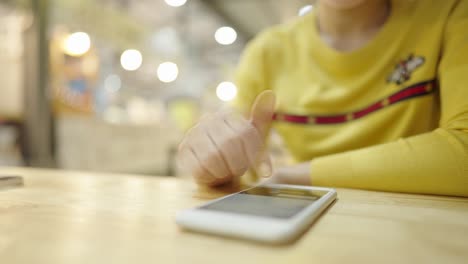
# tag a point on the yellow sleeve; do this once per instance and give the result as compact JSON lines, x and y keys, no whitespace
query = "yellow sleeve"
{"x":431,"y":163}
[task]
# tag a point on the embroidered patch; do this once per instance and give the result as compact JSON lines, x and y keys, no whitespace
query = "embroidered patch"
{"x":405,"y":68}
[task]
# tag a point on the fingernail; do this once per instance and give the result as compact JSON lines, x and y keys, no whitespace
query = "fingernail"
{"x":264,"y":169}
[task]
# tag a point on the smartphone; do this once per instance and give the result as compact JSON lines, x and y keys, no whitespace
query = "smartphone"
{"x":273,"y":213}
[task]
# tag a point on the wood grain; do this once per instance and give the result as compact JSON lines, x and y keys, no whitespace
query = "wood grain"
{"x":84,"y":217}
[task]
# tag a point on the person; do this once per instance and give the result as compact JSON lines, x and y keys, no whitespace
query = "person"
{"x":368,"y":94}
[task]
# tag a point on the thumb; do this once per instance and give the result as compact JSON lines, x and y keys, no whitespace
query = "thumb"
{"x":262,"y":111}
{"x":261,"y":116}
{"x":264,"y":168}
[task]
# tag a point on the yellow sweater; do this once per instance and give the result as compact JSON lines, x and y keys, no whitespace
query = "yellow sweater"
{"x":391,"y":116}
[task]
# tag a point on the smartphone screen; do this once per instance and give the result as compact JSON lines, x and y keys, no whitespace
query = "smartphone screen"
{"x":267,"y":202}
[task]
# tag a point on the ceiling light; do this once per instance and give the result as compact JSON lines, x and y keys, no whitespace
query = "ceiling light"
{"x":175,"y":3}
{"x":226,"y":91}
{"x":167,"y":72}
{"x":225,"y":35}
{"x":77,"y":44}
{"x":131,"y":59}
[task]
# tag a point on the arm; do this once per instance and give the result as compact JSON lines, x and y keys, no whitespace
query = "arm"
{"x":431,"y":163}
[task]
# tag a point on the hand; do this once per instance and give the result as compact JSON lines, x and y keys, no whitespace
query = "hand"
{"x":223,"y":146}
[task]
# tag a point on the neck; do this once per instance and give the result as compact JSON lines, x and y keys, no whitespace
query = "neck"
{"x":348,"y":29}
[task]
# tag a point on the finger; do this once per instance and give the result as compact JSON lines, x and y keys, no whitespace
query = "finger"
{"x":252,"y":144}
{"x":188,"y":162}
{"x":230,"y":145}
{"x":207,"y":152}
{"x":264,"y":167}
{"x":262,"y":111}
{"x":251,"y":141}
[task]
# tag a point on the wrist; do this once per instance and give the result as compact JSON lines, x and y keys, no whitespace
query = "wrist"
{"x":299,"y":174}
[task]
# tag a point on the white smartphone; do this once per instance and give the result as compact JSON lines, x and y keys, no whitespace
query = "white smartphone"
{"x":273,"y":213}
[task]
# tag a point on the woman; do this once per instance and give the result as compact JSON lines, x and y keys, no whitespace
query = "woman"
{"x":370,"y":94}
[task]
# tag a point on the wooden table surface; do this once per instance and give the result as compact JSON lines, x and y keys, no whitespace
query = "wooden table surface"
{"x":84,"y":217}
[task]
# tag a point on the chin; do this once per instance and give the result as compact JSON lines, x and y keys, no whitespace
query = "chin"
{"x":343,"y":4}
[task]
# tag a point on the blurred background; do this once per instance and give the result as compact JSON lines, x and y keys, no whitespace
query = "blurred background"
{"x":112,"y":85}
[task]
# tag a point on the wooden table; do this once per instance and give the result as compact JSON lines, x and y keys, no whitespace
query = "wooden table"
{"x":83,"y":217}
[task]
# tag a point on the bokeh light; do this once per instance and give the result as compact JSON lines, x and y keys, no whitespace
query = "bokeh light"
{"x":167,"y":72}
{"x":226,"y":91}
{"x":305,"y":9}
{"x":77,"y":44}
{"x":131,"y":59}
{"x":112,"y":83}
{"x":175,"y":3}
{"x":225,"y":35}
